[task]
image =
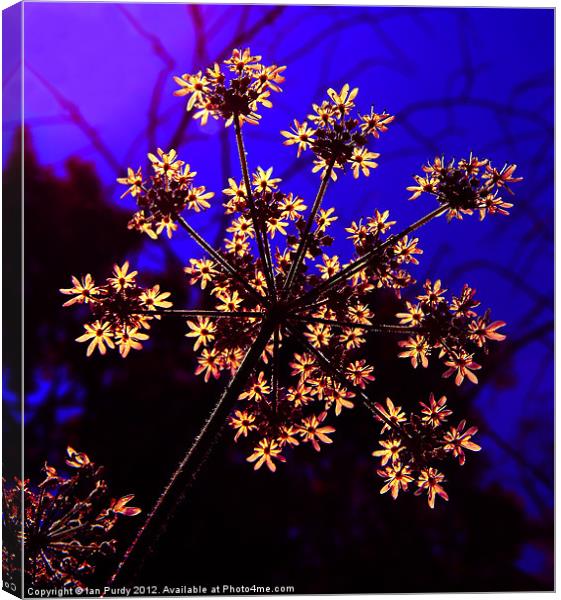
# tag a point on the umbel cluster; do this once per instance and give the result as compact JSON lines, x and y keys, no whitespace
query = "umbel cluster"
{"x":291,"y":319}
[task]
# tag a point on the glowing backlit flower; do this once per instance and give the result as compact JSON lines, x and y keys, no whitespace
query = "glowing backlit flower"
{"x":430,"y":482}
{"x":266,"y":452}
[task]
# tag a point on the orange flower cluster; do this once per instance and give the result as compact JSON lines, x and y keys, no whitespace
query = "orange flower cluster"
{"x":462,"y":190}
{"x":165,"y":195}
{"x":410,"y":445}
{"x":66,"y":521}
{"x":453,"y":328}
{"x":238,"y":92}
{"x":121,"y":309}
{"x":337,"y":138}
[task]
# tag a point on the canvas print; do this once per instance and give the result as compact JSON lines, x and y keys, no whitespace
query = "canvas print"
{"x":278,"y":299}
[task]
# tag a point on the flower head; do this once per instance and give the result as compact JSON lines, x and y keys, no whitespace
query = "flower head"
{"x":67,"y":521}
{"x":337,"y":138}
{"x":238,"y":92}
{"x":286,"y":318}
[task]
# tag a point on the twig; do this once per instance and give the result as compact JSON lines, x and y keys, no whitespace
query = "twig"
{"x":188,"y":469}
{"x":260,"y":233}
{"x":219,"y":258}
{"x":305,"y":238}
{"x":203,"y":313}
{"x":378,"y":328}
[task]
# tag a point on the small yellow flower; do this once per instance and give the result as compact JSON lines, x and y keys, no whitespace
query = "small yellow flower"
{"x":133,"y":180}
{"x":152,"y":298}
{"x":398,"y":477}
{"x":142,"y":223}
{"x":340,"y":396}
{"x":413,"y":316}
{"x":379,"y":224}
{"x":197,"y":198}
{"x":429,"y":481}
{"x":265,"y":453}
{"x":416,"y":348}
{"x":299,"y":395}
{"x":351,"y":338}
{"x":361,"y":314}
{"x":99,"y":335}
{"x":374,"y":122}
{"x":242,"y":226}
{"x":302,"y":365}
{"x":286,"y":436}
{"x":121,"y":277}
{"x":166,"y":223}
{"x":436,"y":412}
{"x":300,"y":134}
{"x":237,"y":194}
{"x":362,"y":160}
{"x":230,"y":301}
{"x":209,"y":364}
{"x":184,"y":176}
{"x":263,"y":181}
{"x":330,"y":266}
{"x":325,"y":218}
{"x":318,"y":334}
{"x":270,"y":77}
{"x":128,"y":339}
{"x":201,"y":270}
{"x":242,"y":60}
{"x":203,"y":330}
{"x":257,"y":390}
{"x":343,"y":101}
{"x":243,"y":423}
{"x":195,"y":85}
{"x":165,"y":163}
{"x":274,"y":225}
{"x":83,"y":290}
{"x":360,"y":373}
{"x":312,"y":431}
{"x":457,"y":439}
{"x":424,"y":185}
{"x":392,"y":413}
{"x":291,"y":206}
{"x":391,"y":450}
{"x":463,"y":365}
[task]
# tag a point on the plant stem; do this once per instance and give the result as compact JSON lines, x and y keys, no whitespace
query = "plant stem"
{"x":360,"y":263}
{"x":275,"y":368}
{"x":203,"y":313}
{"x":260,"y":232}
{"x":218,"y":258}
{"x":305,"y":239}
{"x":378,"y":328}
{"x":189,"y":467}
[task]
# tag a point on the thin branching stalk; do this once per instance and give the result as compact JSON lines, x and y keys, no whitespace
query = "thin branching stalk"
{"x":305,"y":238}
{"x":226,"y":265}
{"x":275,"y":367}
{"x":190,"y":466}
{"x":260,"y":234}
{"x":202,"y":313}
{"x":378,"y":328}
